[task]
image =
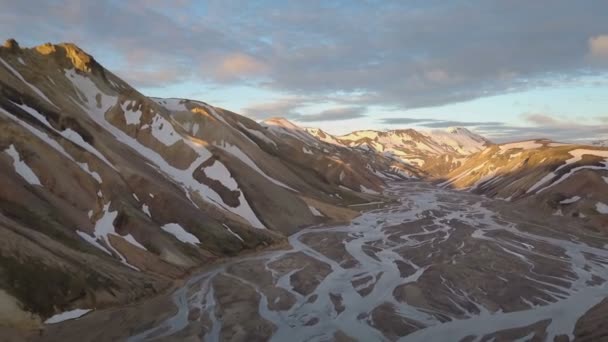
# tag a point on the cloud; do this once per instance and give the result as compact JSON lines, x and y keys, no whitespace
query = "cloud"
{"x":545,"y":125}
{"x":238,"y":66}
{"x":286,"y":108}
{"x":540,"y":119}
{"x":407,"y":55}
{"x":291,"y":108}
{"x":435,"y":123}
{"x":404,"y":121}
{"x":598,"y":47}
{"x":445,"y":124}
{"x":333,"y":114}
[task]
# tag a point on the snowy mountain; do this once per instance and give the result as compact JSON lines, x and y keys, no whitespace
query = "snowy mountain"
{"x":563,"y":179}
{"x":435,"y":151}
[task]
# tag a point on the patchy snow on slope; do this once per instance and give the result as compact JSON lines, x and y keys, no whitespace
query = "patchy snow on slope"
{"x":605,"y":179}
{"x":220,"y":173}
{"x":487,"y":179}
{"x":85,"y":167}
{"x":68,"y":133}
{"x":34,"y":89}
{"x":570,"y":200}
{"x":235,"y":151}
{"x":258,"y":135}
{"x":175,"y":105}
{"x":180,"y":176}
{"x":577,"y":155}
{"x":306,"y":151}
{"x":180,"y":233}
{"x":21,"y":167}
{"x":131,"y":117}
{"x":360,"y":135}
{"x":524,"y":145}
{"x":163,"y":131}
{"x":130,"y":239}
{"x":233,"y":233}
{"x":104,"y":227}
{"x":460,"y":139}
{"x":368,"y":191}
{"x":281,"y":126}
{"x":146,"y":210}
{"x":462,"y":175}
{"x":315,"y":211}
{"x":64,"y":316}
{"x":323,"y":136}
{"x":50,"y":142}
{"x":601,"y":208}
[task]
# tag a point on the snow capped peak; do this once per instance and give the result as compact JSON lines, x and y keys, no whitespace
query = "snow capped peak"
{"x":465,"y":132}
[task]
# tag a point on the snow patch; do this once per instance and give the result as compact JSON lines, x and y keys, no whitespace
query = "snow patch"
{"x":64,"y":316}
{"x":131,"y":117}
{"x":220,"y":173}
{"x":368,"y":191}
{"x":180,"y":233}
{"x":315,"y":211}
{"x":104,"y":227}
{"x":601,"y":208}
{"x":570,"y":200}
{"x":524,"y":145}
{"x":146,"y":210}
{"x":163,"y":131}
{"x":233,"y":233}
{"x":34,"y":89}
{"x":21,"y":167}
{"x":235,"y":151}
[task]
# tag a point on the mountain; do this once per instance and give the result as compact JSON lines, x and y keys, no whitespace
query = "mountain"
{"x":107,"y":195}
{"x":563,"y":179}
{"x":602,"y":143}
{"x":434,"y":152}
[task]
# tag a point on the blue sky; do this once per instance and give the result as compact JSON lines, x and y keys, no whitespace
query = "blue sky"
{"x":507,"y":69}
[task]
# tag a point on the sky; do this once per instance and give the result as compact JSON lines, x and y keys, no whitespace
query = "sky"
{"x":507,"y":69}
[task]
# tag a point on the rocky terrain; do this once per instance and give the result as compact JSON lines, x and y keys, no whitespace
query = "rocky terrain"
{"x":108,"y":195}
{"x":560,"y":179}
{"x":438,"y":265}
{"x":434,"y":152}
{"x":173,"y":219}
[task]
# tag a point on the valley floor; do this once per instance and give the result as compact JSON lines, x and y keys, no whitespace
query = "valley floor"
{"x":439,"y":265}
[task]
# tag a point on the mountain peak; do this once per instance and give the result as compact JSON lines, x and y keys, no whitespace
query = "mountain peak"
{"x":280,"y":121}
{"x":456,"y":130}
{"x":81,"y":60}
{"x":11,"y":44}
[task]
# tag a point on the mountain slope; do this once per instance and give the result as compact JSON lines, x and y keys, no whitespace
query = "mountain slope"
{"x":564,"y":179}
{"x":114,"y":194}
{"x":435,"y":152}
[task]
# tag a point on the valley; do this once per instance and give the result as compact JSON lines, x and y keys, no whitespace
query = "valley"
{"x":438,"y":264}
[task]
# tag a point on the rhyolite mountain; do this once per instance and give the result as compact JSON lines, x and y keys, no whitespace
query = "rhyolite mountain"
{"x":561,"y":179}
{"x":436,"y":152}
{"x":107,"y":195}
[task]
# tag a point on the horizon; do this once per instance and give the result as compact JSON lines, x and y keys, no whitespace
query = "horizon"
{"x":411,"y":65}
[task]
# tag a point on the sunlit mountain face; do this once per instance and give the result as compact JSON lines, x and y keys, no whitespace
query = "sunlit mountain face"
{"x":272,"y":171}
